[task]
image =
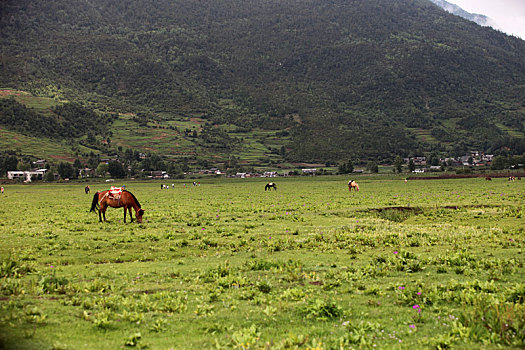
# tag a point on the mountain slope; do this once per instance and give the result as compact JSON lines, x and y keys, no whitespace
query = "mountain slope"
{"x":353,"y":78}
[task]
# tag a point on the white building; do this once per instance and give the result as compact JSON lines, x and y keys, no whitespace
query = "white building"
{"x":27,"y":176}
{"x":270,"y":174}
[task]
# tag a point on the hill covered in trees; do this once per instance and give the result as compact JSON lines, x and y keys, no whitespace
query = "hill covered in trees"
{"x":341,"y":78}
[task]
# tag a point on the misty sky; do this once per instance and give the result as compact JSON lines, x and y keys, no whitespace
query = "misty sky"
{"x":508,"y":15}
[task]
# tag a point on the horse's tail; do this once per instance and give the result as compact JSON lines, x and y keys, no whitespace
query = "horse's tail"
{"x":94,"y":203}
{"x":134,"y":198}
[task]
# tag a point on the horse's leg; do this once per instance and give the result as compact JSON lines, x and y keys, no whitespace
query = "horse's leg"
{"x":102,"y":209}
{"x":130,"y":214}
{"x":99,"y":215}
{"x":125,"y":214}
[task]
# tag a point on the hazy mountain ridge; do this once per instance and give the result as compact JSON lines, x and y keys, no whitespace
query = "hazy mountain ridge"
{"x":345,"y":78}
{"x":458,"y":11}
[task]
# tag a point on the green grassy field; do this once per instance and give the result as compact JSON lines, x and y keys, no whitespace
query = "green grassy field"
{"x":423,"y":264}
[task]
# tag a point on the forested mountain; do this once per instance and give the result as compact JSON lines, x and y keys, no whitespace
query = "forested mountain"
{"x":345,"y":78}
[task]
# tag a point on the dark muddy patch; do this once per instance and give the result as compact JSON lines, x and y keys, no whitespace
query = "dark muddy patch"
{"x":396,"y":214}
{"x":415,"y":210}
{"x":400,"y":214}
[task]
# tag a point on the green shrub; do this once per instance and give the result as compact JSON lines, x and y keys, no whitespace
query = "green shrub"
{"x":321,"y":310}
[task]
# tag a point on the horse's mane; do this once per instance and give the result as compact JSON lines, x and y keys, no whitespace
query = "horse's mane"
{"x":135,"y":198}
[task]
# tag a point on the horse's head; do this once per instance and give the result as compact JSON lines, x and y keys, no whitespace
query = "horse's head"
{"x":140,"y":212}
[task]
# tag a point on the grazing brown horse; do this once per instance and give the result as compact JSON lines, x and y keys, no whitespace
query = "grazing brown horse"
{"x":353,"y":185}
{"x":116,"y":199}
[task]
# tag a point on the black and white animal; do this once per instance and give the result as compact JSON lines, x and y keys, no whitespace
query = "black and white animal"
{"x":269,"y":186}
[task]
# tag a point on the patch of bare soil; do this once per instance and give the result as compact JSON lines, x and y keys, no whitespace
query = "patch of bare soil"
{"x":67,"y":158}
{"x":160,"y":137}
{"x":9,"y":93}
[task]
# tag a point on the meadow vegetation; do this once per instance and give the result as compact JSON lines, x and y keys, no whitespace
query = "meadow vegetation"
{"x":423,"y":264}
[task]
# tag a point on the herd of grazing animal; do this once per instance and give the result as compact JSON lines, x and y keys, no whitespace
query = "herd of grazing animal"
{"x":117,"y":197}
{"x":121,"y":198}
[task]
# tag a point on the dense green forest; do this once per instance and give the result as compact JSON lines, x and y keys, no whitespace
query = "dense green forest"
{"x":345,"y":79}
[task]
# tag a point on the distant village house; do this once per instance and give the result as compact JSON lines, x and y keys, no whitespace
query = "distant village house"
{"x":158,"y":174}
{"x":27,"y":176}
